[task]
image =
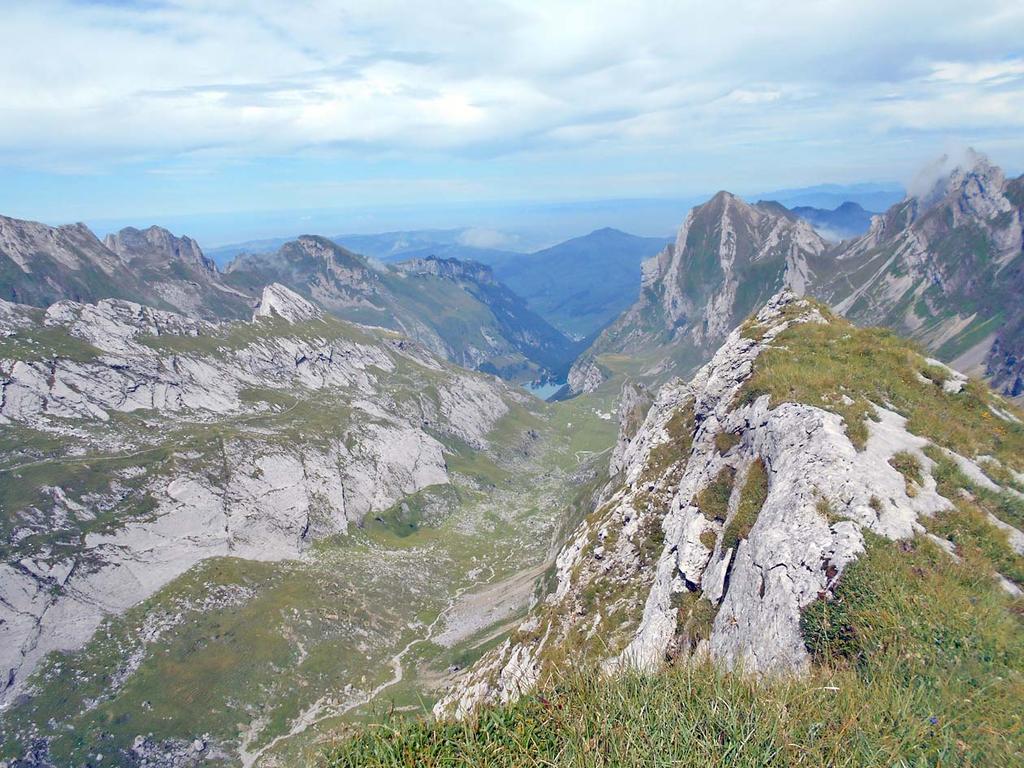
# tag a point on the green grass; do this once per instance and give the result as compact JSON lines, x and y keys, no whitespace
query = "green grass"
{"x":1000,"y":475}
{"x":967,"y":524}
{"x":39,"y":343}
{"x":821,"y":364}
{"x":680,"y":428}
{"x":726,"y":441}
{"x":752,"y":497}
{"x":918,"y":662}
{"x":695,"y":616}
{"x":908,"y":465}
{"x":713,"y":499}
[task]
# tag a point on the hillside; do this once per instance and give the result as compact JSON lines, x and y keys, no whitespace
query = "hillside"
{"x":820,"y":501}
{"x":186,"y":505}
{"x":457,"y":310}
{"x":579,"y":286}
{"x":583,"y":284}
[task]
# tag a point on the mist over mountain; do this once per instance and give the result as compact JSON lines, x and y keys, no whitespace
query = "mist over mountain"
{"x":846,"y":221}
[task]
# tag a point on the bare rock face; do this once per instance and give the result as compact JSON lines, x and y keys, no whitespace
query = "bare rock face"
{"x":264,"y":486}
{"x":728,"y":258}
{"x":285,"y":303}
{"x":673,"y":529}
{"x":585,"y":376}
{"x":43,"y":265}
{"x":449,"y":269}
{"x":157,"y":247}
{"x":634,"y":403}
{"x":944,"y":267}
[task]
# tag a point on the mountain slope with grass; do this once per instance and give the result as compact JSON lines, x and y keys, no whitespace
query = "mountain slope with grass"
{"x":222,"y":539}
{"x":157,"y":471}
{"x":456,"y":309}
{"x":810,"y":554}
{"x":946,"y":268}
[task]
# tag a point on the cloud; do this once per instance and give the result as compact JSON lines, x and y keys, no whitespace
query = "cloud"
{"x":186,"y":86}
{"x":479,"y":237}
{"x":978,"y":72}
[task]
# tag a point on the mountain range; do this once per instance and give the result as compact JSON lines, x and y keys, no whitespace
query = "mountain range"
{"x":846,"y":221}
{"x":247,"y":512}
{"x":943,"y":268}
{"x":463,"y":315}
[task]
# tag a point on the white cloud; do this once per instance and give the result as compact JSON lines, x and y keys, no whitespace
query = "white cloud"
{"x":246,"y":78}
{"x":976,"y":73}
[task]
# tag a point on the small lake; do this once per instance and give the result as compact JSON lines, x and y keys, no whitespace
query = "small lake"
{"x":543,"y":391}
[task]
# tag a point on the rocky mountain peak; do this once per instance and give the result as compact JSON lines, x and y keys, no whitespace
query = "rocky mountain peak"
{"x":326,"y":251}
{"x":969,"y":186}
{"x":450,"y":269}
{"x":728,"y":258}
{"x":71,"y":245}
{"x":279,"y":301}
{"x":157,"y":247}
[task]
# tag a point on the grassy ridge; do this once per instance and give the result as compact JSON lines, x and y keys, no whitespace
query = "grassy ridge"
{"x":845,"y":369}
{"x":919,"y":662}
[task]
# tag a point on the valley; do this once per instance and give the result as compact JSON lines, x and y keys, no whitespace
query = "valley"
{"x":352,"y":600}
{"x":249,"y":516}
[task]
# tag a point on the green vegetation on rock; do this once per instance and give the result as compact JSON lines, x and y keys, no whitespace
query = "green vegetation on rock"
{"x":752,"y":498}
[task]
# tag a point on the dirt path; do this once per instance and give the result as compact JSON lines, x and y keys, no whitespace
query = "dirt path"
{"x":322,"y":709}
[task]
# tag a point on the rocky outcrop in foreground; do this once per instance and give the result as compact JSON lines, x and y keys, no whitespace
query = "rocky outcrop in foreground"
{"x":727,"y":515}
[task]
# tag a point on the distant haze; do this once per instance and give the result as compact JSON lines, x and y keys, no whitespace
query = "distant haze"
{"x":514,"y":226}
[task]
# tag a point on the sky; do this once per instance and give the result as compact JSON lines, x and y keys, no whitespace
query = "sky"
{"x":190,"y":110}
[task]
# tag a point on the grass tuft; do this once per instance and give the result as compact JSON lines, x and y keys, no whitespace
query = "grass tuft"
{"x":752,"y":497}
{"x":713,"y":499}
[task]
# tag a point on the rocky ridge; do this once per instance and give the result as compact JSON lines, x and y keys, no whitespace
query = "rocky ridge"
{"x":727,"y":515}
{"x":203,"y":439}
{"x":944,"y":267}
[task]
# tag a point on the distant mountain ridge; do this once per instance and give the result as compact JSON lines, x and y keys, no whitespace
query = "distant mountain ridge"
{"x":40,"y":265}
{"x":456,"y":309}
{"x":461,"y":312}
{"x":945,"y":268}
{"x":583,"y":284}
{"x":846,"y":221}
{"x":579,"y":285}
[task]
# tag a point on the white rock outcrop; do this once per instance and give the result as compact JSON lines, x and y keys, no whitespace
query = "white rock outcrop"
{"x":279,"y":301}
{"x":821,"y":494}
